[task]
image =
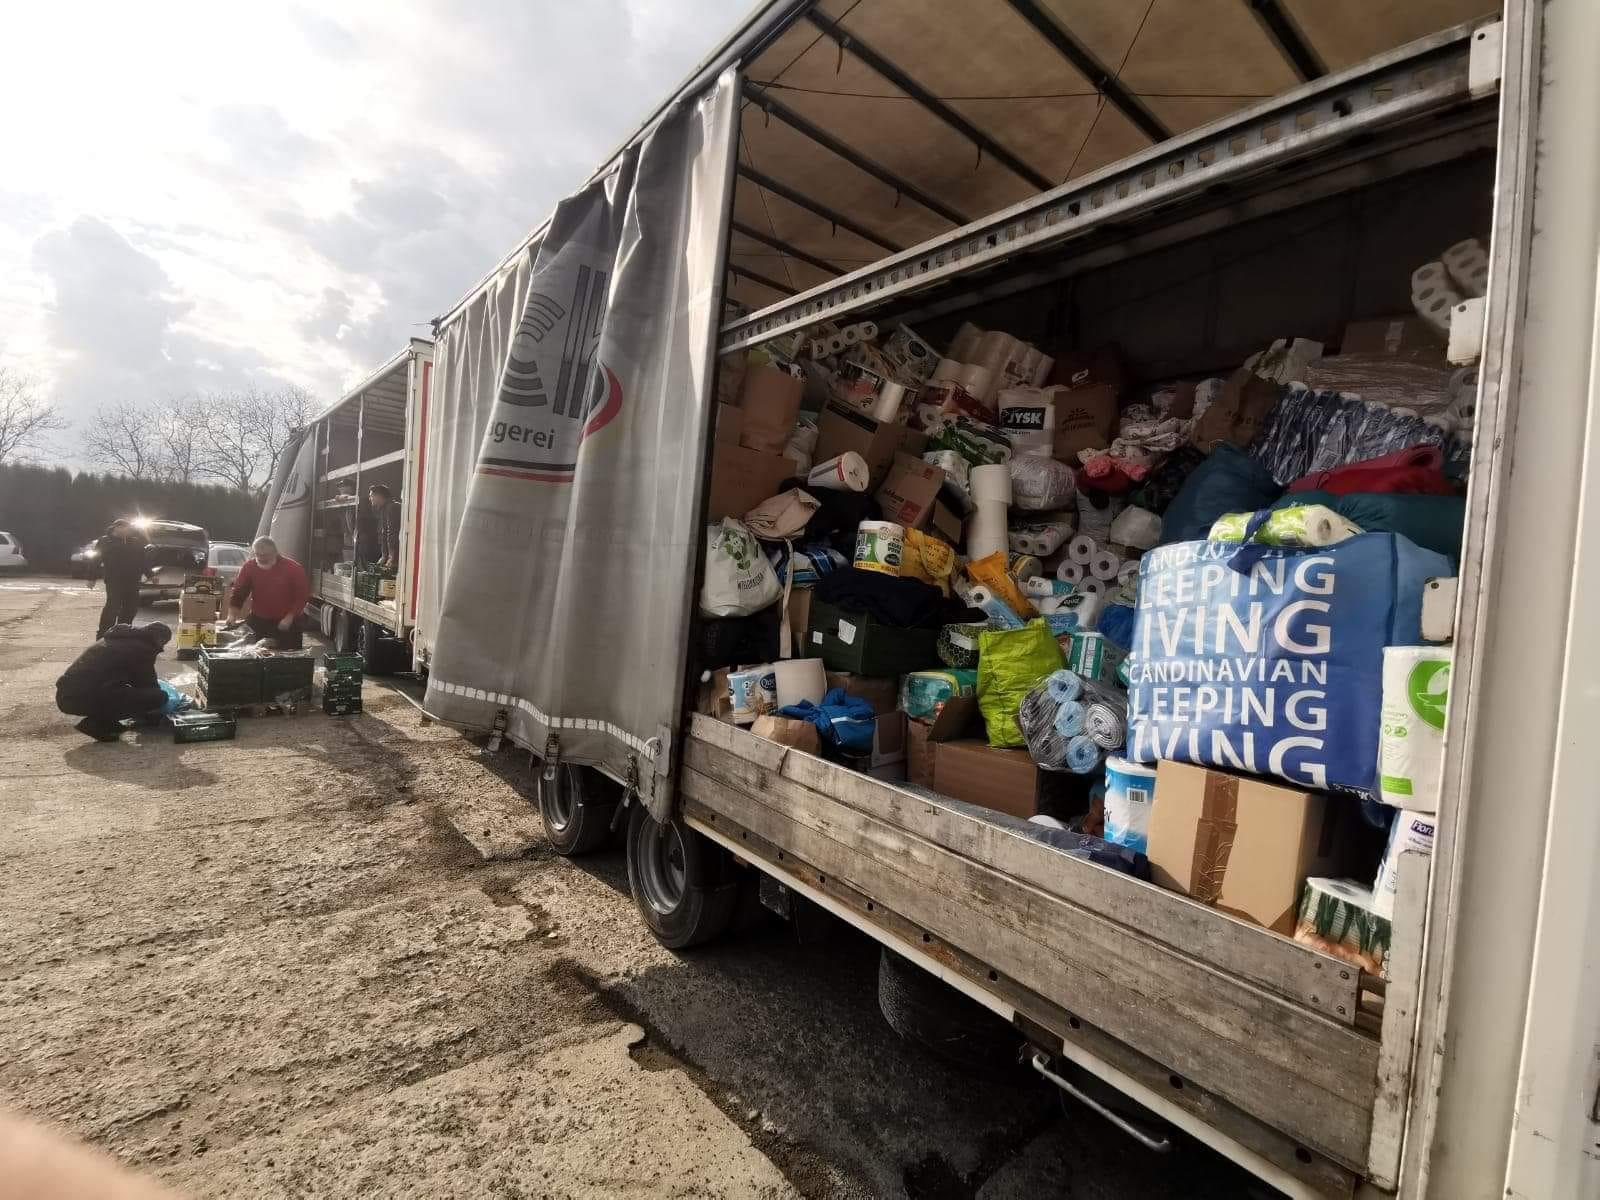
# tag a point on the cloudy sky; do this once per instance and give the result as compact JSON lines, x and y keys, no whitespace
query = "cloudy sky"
{"x":196,"y":196}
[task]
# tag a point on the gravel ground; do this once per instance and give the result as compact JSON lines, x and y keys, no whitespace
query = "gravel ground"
{"x":334,"y":958}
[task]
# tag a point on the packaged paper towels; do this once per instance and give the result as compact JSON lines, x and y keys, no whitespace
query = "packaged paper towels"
{"x":1416,"y":688}
{"x":1410,"y":831}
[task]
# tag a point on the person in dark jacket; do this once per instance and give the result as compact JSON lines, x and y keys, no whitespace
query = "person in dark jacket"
{"x":387,"y":516}
{"x":114,"y":679}
{"x":122,"y":567}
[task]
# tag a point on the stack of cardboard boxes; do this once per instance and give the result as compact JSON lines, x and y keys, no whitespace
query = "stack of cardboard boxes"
{"x":199,"y":608}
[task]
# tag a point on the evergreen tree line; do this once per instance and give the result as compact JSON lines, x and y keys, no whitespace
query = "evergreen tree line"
{"x":54,"y":511}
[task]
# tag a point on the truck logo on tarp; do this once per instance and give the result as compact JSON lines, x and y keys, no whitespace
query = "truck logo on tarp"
{"x":555,"y":391}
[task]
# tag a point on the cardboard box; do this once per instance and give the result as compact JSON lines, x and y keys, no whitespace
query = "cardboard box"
{"x":799,"y":618}
{"x":1238,"y":842}
{"x":919,"y":752}
{"x":786,"y":731}
{"x":742,"y":478}
{"x":1404,"y":335}
{"x":729,"y":424}
{"x":1237,"y":413}
{"x":1101,"y":366}
{"x":730,"y":376}
{"x":908,"y":494}
{"x":972,"y":770}
{"x":841,"y":428}
{"x":1086,"y":419}
{"x":195,"y":609}
{"x":770,"y":402}
{"x":946,"y":521}
{"x":880,"y":691}
{"x":194,"y":634}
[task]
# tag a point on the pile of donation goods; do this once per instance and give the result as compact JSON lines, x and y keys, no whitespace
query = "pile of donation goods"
{"x":252,"y":677}
{"x":1175,"y":627}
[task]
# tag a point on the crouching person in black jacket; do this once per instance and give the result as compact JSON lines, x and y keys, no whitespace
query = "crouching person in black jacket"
{"x":114,"y":679}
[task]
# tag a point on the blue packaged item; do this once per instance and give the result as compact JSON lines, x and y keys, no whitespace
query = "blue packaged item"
{"x":843,"y":721}
{"x":1229,"y":481}
{"x":923,"y":693}
{"x":1270,"y":659}
{"x":1116,"y":622}
{"x":175,"y":700}
{"x":1129,"y":797}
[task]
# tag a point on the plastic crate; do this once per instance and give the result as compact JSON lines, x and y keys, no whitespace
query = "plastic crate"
{"x":341,"y":708}
{"x":350,"y":661}
{"x":203,"y":727}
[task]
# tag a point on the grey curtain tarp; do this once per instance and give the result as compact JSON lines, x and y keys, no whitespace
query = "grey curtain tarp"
{"x":566,"y":599}
{"x":286,"y":514}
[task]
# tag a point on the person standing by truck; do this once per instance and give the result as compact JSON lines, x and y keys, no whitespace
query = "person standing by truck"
{"x":121,"y":556}
{"x":386,"y":512}
{"x":276,"y":587}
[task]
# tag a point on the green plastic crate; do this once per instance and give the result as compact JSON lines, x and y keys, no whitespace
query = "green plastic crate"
{"x":350,"y":661}
{"x":341,"y":708}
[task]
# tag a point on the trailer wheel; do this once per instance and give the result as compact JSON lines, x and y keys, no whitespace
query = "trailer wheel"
{"x":577,"y":807}
{"x":956,"y":1028}
{"x":344,"y":631}
{"x":682,"y":883}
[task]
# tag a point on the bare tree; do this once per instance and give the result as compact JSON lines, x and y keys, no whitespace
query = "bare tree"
{"x":179,"y":422}
{"x":26,"y":418}
{"x":242,"y":434}
{"x":125,"y":438}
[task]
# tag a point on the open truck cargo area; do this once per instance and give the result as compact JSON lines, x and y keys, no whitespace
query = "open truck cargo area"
{"x":834,"y":363}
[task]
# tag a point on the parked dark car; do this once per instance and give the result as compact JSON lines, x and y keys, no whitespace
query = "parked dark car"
{"x":173,"y":551}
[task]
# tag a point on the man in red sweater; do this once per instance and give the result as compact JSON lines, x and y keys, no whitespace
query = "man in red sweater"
{"x":277,"y":590}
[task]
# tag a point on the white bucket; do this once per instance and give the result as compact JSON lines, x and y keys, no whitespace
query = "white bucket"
{"x":752,"y":693}
{"x":880,"y":545}
{"x":800,"y":679}
{"x":1130,"y":795}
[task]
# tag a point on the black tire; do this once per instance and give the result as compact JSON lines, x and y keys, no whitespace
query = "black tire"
{"x":951,"y":1026}
{"x":682,"y":883}
{"x":344,"y":631}
{"x":577,"y":807}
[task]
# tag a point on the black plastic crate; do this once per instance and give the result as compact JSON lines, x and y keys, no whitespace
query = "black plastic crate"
{"x":283,"y":673}
{"x":341,"y":708}
{"x":203,"y":727}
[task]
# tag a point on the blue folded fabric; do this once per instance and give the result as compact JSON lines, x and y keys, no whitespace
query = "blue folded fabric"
{"x":843,"y":721}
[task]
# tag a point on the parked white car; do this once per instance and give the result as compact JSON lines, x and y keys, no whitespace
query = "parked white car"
{"x":225,"y":560}
{"x":11,"y":553}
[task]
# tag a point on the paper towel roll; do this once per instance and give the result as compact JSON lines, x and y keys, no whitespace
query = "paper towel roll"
{"x":1136,"y":527}
{"x":1410,"y":831}
{"x":1070,"y":572}
{"x":887,"y":405}
{"x":845,"y":472}
{"x":997,"y":610}
{"x":991,"y":483}
{"x":1104,"y":566}
{"x":965,"y":343}
{"x":986,"y":532}
{"x":1416,"y":690}
{"x":1082,"y":549}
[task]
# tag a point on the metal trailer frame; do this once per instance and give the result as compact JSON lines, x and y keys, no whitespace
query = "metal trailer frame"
{"x":416,"y":361}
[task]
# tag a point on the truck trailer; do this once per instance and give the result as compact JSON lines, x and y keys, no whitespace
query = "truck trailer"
{"x":1191,"y":187}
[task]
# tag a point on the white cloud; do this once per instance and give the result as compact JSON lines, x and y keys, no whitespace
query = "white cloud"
{"x":199,"y":194}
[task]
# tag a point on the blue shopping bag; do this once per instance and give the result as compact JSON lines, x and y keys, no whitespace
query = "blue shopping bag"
{"x":1268,"y":659}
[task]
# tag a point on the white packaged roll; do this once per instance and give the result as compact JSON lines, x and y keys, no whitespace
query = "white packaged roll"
{"x":1104,"y":566}
{"x":956,"y":469}
{"x":1082,"y":549}
{"x":977,"y":381}
{"x":986,"y":532}
{"x":886,"y":407}
{"x":947,"y":369}
{"x":1410,"y":831}
{"x":1416,"y":691}
{"x":991,"y":483}
{"x":804,"y":436}
{"x":1136,"y":527}
{"x":1070,"y":572}
{"x":845,"y":472}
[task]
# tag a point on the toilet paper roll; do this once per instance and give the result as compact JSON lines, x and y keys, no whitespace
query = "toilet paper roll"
{"x":991,"y":483}
{"x":800,"y":679}
{"x":1070,"y":572}
{"x":1082,"y":549}
{"x":956,"y":469}
{"x":1468,"y":266}
{"x":868,"y":330}
{"x":1128,"y":572}
{"x":819,"y":348}
{"x":845,"y":472}
{"x":986,"y":532}
{"x":978,"y":382}
{"x":886,"y":407}
{"x":837,"y":344}
{"x":946,"y":369}
{"x":1429,"y":275}
{"x":1024,"y":566}
{"x":1092,"y":587}
{"x":851,"y":334}
{"x":1104,"y":566}
{"x":965,"y":344}
{"x":997,"y":610}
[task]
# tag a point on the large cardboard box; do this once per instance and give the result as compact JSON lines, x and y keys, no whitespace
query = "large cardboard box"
{"x":887,"y":760}
{"x":908,"y":494}
{"x":196,"y":609}
{"x":1237,"y":413}
{"x":970,"y":769}
{"x":841,"y":427}
{"x":1086,"y":419}
{"x":1238,"y":842}
{"x":880,"y":691}
{"x":1395,"y":336}
{"x":919,"y":752}
{"x":742,"y":478}
{"x":770,"y":401}
{"x":786,"y":731}
{"x":1089,"y":368}
{"x":730,"y":424}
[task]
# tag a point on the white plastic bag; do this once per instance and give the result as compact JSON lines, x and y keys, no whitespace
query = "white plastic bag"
{"x":739,"y":579}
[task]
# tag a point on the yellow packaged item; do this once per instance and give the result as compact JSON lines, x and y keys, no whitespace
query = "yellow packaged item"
{"x":993,"y":572}
{"x":927,"y":558}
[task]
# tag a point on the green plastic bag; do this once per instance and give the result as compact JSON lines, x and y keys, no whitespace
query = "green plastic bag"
{"x":1011,"y":663}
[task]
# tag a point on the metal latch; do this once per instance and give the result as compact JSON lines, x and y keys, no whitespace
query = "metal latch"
{"x":1483,"y":60}
{"x":502,"y":722}
{"x":552,"y":758}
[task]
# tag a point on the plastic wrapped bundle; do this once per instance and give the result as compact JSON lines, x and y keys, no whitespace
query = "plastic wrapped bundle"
{"x":958,"y":645}
{"x":1105,"y":716}
{"x":1036,"y":716}
{"x":1041,"y":484}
